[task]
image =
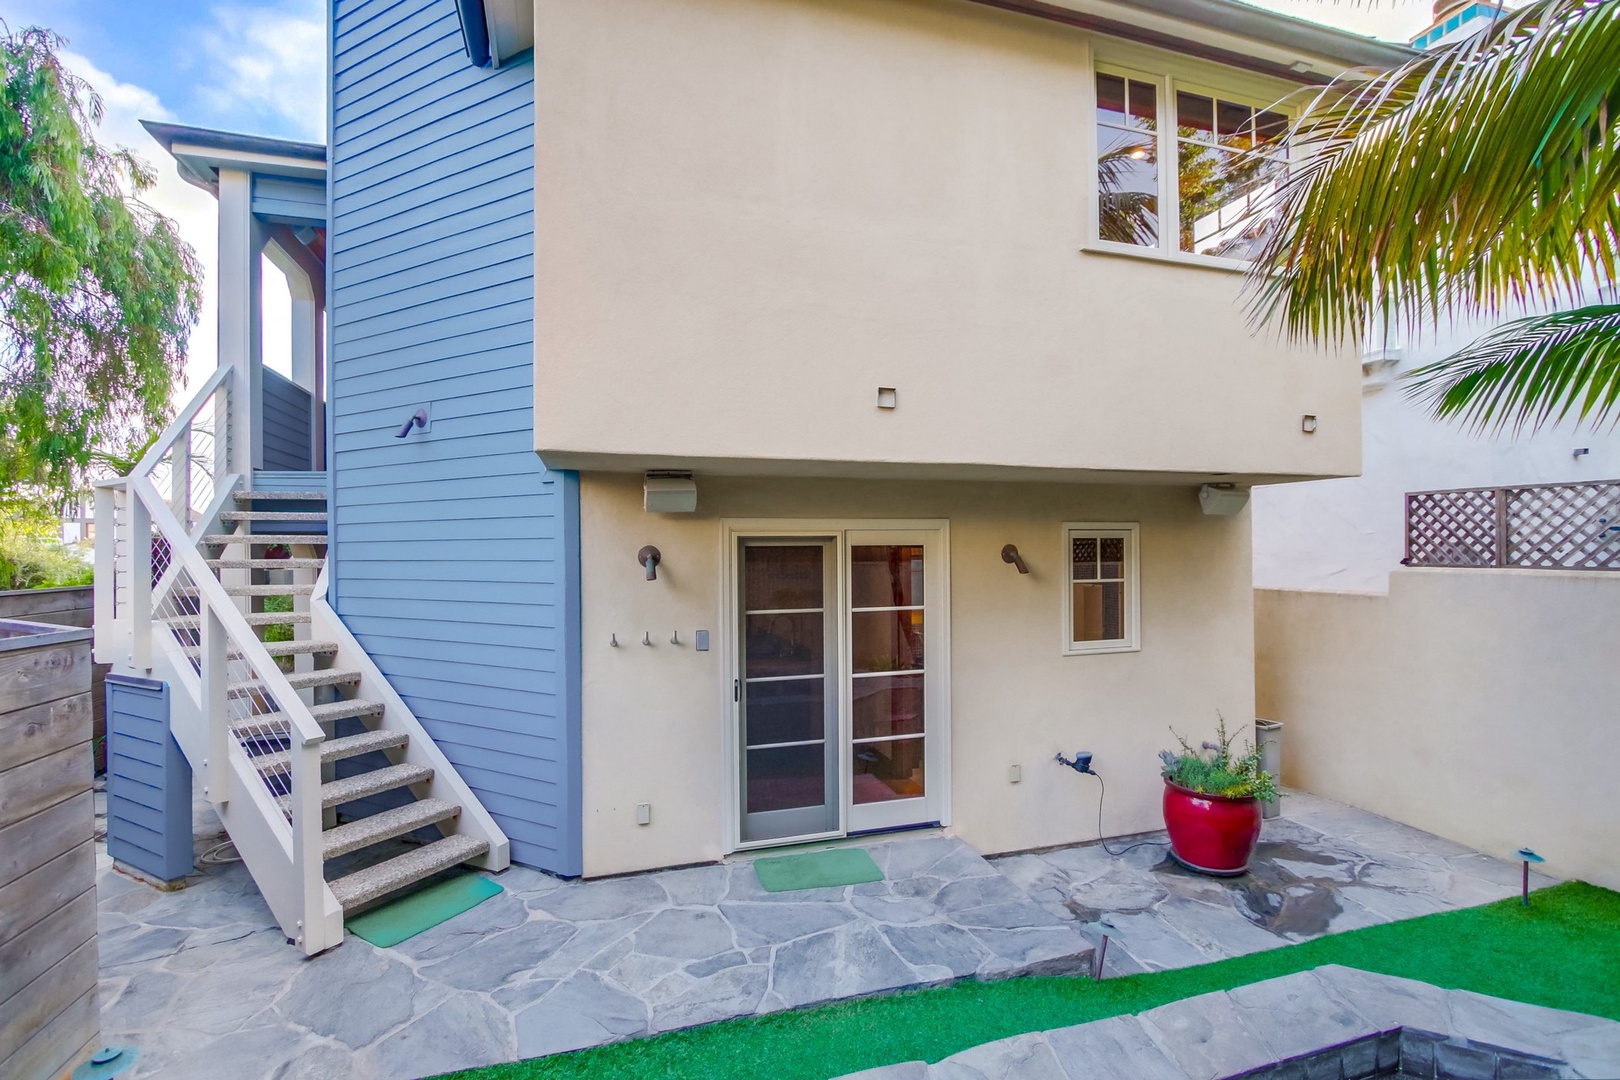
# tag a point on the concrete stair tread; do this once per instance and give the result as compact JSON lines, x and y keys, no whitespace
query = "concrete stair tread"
{"x":270,"y":590}
{"x":366,"y":784}
{"x":336,"y":749}
{"x":266,"y":539}
{"x":272,"y":515}
{"x":286,"y":496}
{"x":363,"y":886}
{"x":266,"y":564}
{"x":323,"y":714}
{"x":277,"y":648}
{"x":301,"y":680}
{"x":354,"y":835}
{"x":254,"y":618}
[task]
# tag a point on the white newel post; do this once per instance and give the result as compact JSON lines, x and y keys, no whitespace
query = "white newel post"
{"x":180,"y":479}
{"x":106,"y":587}
{"x":215,"y":705}
{"x":307,"y":850}
{"x":139,"y":517}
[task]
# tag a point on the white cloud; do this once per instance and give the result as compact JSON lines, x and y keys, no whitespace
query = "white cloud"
{"x":275,"y":62}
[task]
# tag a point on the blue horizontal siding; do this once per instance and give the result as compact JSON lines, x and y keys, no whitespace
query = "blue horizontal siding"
{"x":454,"y":552}
{"x":148,"y":782}
{"x":290,"y":202}
{"x":286,"y":424}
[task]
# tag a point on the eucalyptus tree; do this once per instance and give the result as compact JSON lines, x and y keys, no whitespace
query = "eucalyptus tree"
{"x":97,"y":291}
{"x":1472,"y":181}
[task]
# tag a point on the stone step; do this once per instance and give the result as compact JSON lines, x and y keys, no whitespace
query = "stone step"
{"x":266,"y":564}
{"x":300,"y":680}
{"x":278,"y":763}
{"x":364,"y":785}
{"x":274,"y":723}
{"x":254,"y":618}
{"x":363,"y":886}
{"x":270,"y":590}
{"x":354,"y":835}
{"x":278,"y":496}
{"x":265,"y":539}
{"x":276,"y":648}
{"x":272,"y":515}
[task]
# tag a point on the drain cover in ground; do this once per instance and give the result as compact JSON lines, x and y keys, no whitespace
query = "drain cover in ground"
{"x":817,"y":870}
{"x":422,"y":910}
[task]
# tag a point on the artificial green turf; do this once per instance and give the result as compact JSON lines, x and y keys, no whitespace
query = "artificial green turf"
{"x":1563,"y":951}
{"x":816,"y":870}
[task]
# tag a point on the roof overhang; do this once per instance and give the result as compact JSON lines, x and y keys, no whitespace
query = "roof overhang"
{"x":1225,"y":31}
{"x":201,"y":152}
{"x":496,"y":31}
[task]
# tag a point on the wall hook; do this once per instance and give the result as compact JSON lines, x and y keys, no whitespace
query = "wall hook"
{"x":1009,"y":554}
{"x":419,"y":419}
{"x":648,"y":557}
{"x":613,"y":641}
{"x":675,"y":638}
{"x":646,"y":637}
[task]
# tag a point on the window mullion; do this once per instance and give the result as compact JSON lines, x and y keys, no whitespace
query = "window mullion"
{"x":1169,"y":170}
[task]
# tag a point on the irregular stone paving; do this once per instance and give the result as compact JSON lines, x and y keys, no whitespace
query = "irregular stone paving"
{"x":204,"y":985}
{"x":1320,"y":868}
{"x":1283,"y":1029}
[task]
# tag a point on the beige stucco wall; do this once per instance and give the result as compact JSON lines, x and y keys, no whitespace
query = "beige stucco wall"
{"x":654,"y":718}
{"x":750,"y":214}
{"x":1476,"y":704}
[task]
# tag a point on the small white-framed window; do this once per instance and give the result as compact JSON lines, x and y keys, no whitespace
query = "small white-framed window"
{"x":1230,"y":160}
{"x":1101,"y":608}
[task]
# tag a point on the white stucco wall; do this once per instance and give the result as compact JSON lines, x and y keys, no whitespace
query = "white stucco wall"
{"x":751,"y":214}
{"x":654,"y":718}
{"x":1348,"y":534}
{"x":1476,"y":704}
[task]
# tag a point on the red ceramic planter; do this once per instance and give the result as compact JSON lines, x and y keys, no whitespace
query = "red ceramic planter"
{"x":1211,"y":833}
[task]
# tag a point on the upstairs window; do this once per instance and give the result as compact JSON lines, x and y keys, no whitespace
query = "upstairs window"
{"x":1100,"y":612}
{"x":1230,"y":155}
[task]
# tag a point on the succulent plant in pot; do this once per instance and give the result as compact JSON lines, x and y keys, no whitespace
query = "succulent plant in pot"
{"x":1212,"y":801}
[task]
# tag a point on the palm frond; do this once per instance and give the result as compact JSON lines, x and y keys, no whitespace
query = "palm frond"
{"x":1530,"y":372}
{"x":1469,"y":180}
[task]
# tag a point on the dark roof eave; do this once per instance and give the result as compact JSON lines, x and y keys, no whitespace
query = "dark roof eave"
{"x":231,"y":142}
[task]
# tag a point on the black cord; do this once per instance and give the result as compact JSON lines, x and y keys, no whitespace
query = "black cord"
{"x":1102,"y":839}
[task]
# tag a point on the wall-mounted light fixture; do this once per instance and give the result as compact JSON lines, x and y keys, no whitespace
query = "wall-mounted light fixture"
{"x":887,"y":397}
{"x":1009,"y":554}
{"x":419,"y":419}
{"x":1222,"y":500}
{"x":648,"y":557}
{"x":1307,"y":423}
{"x":1580,"y":452}
{"x":668,"y":493}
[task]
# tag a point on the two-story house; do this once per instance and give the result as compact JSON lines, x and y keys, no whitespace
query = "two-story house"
{"x":745,"y":422}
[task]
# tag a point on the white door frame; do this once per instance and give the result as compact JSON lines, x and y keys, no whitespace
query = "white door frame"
{"x":937,"y":592}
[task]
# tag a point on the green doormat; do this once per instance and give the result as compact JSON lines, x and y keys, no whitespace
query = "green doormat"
{"x":817,"y":870}
{"x":422,"y":910}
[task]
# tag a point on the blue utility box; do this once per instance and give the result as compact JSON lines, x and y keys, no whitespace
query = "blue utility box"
{"x":148,"y":783}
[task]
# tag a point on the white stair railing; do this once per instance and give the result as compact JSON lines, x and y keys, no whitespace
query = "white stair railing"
{"x":167,"y":615}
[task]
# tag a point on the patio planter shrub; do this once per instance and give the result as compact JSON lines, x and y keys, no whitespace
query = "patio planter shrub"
{"x":1212,"y":803}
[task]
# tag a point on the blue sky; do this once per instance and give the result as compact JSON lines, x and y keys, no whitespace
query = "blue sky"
{"x":260,"y":67}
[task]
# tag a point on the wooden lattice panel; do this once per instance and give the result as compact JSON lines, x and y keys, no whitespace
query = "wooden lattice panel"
{"x":1451,"y":528}
{"x":1545,"y":526}
{"x":1564,"y":526}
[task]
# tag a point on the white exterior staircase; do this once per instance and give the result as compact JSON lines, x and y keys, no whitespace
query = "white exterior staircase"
{"x":219,"y":590}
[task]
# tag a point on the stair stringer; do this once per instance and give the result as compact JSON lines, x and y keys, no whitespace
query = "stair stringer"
{"x":248,"y":811}
{"x":448,"y":784}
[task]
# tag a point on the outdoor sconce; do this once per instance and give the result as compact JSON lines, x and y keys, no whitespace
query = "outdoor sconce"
{"x":419,"y":419}
{"x":648,"y":557}
{"x":1009,"y":554}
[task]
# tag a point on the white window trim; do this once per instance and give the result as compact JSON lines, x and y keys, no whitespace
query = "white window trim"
{"x":1132,"y":642}
{"x":1167,"y":250}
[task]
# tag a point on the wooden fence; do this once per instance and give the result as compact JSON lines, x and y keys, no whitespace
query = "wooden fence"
{"x":73,"y":605}
{"x":1540,"y":527}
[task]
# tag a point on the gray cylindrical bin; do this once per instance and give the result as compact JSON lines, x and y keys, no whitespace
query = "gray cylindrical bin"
{"x":1268,"y":734}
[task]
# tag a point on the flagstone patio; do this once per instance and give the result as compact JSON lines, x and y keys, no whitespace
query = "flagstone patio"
{"x":202,"y":982}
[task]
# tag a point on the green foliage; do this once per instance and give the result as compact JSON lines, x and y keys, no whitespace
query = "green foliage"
{"x":1465,"y":182}
{"x":279,"y":631}
{"x":97,"y":291}
{"x":30,"y":558}
{"x":1214,"y":770}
